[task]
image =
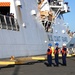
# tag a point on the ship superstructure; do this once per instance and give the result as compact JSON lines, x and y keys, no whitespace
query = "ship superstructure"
{"x":27,"y":26}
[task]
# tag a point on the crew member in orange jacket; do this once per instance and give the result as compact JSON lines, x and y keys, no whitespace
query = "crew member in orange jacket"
{"x":49,"y":54}
{"x":56,"y":53}
{"x":64,"y":53}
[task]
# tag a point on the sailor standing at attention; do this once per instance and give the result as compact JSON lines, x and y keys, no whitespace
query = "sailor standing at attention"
{"x":49,"y":54}
{"x":64,"y":53}
{"x":56,"y":53}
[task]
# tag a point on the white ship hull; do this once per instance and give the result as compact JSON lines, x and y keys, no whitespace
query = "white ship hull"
{"x":31,"y":39}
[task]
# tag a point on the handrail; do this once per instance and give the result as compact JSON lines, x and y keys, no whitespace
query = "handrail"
{"x":8,"y":22}
{"x":56,"y":15}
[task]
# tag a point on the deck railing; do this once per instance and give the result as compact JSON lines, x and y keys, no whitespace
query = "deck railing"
{"x":8,"y":22}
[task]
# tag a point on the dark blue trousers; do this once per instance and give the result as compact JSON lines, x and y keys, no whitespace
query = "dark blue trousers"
{"x":49,"y":59}
{"x":64,"y":59}
{"x":56,"y":59}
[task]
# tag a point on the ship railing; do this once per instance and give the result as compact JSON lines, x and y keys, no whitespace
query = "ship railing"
{"x":56,"y":15}
{"x":8,"y":22}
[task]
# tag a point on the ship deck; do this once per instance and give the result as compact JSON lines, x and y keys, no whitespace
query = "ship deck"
{"x":39,"y":68}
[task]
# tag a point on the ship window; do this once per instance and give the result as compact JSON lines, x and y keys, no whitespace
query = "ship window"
{"x":4,"y":10}
{"x":4,"y":7}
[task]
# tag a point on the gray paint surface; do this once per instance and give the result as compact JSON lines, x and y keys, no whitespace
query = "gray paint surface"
{"x":30,"y":40}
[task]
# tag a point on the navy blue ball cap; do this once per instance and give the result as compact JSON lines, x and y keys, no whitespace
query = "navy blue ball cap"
{"x":49,"y":44}
{"x":56,"y":44}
